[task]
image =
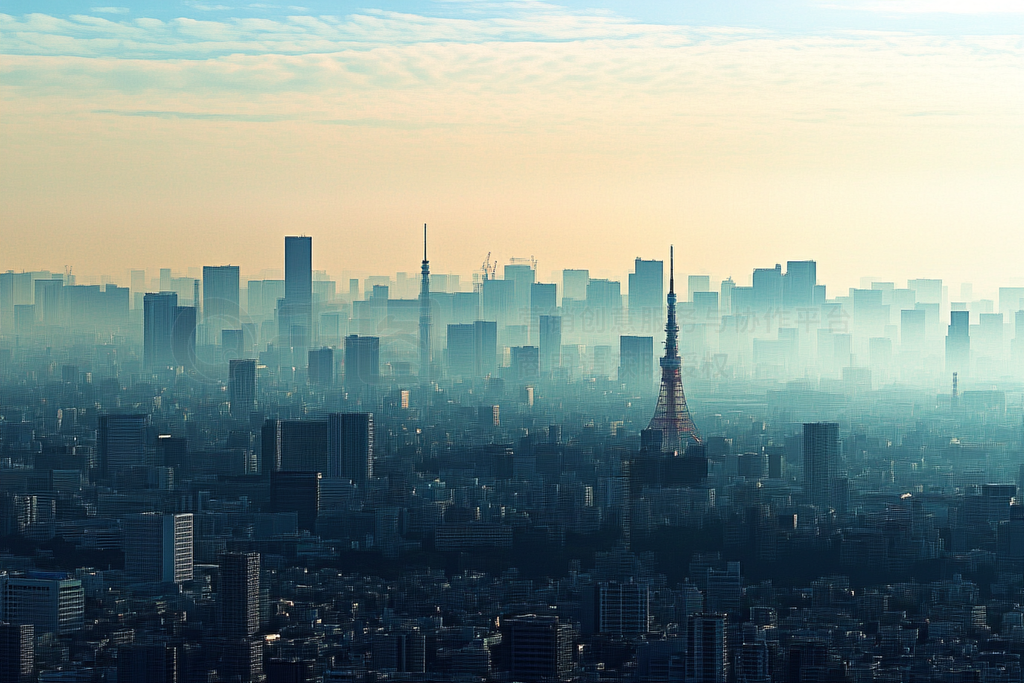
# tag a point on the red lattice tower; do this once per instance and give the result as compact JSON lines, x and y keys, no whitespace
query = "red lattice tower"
{"x":672,"y":417}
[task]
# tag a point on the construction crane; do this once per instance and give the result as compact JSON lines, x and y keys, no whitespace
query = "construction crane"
{"x":489,"y":268}
{"x":516,"y":260}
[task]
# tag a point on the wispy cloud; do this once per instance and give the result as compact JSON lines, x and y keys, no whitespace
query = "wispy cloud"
{"x":110,"y":10}
{"x":931,"y":6}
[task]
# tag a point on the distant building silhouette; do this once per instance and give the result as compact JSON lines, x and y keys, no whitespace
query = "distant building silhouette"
{"x":320,"y":367}
{"x":646,"y":296}
{"x":169,"y":332}
{"x":823,"y":485}
{"x":362,"y":362}
{"x":958,"y":343}
{"x":220,"y":301}
{"x":242,"y":386}
{"x":295,"y":311}
{"x":636,"y":363}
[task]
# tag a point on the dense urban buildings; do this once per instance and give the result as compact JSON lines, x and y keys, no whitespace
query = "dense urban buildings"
{"x":430,"y":477}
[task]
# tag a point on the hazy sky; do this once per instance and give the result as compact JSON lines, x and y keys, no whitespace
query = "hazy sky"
{"x":879,"y":137}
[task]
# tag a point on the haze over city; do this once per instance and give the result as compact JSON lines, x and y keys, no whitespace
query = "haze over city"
{"x":512,"y":342}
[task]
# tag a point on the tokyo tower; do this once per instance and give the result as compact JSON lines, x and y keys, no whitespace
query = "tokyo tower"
{"x":672,"y":417}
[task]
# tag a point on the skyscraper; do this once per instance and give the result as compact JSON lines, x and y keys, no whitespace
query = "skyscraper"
{"x":958,"y":343}
{"x":362,"y":362}
{"x":461,"y":351}
{"x":123,"y":441}
{"x":297,"y":492}
{"x":239,"y":594}
{"x":17,"y":653}
{"x":158,"y":547}
{"x":320,"y":367}
{"x":295,"y":311}
{"x":574,"y":284}
{"x":821,"y":462}
{"x":550,"y":343}
{"x":242,"y":386}
{"x":539,"y":648}
{"x":523,"y":275}
{"x":646,"y":295}
{"x":798,"y":284}
{"x":636,"y":363}
{"x":350,"y":445}
{"x":706,"y":657}
{"x":298,"y":269}
{"x":52,"y":604}
{"x":159,"y":314}
{"x":220,"y":301}
{"x":543,"y":301}
{"x":672,"y":416}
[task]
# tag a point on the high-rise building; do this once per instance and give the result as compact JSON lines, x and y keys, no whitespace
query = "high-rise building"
{"x":539,"y":648}
{"x":498,"y":301}
{"x":239,"y":594}
{"x":798,"y":284}
{"x":304,"y":446}
{"x":958,"y":343}
{"x":767,"y":289}
{"x":295,"y":311}
{"x":646,"y":296}
{"x":821,"y":463}
{"x":522,"y":275}
{"x":461,"y":351}
{"x":706,"y":656}
{"x":169,"y":332}
{"x":574,"y":284}
{"x":525,"y":363}
{"x":543,"y":301}
{"x":697,"y":283}
{"x":636,"y":363}
{"x":623,"y":609}
{"x":298,"y":269}
{"x":220,"y":301}
{"x":50,"y":602}
{"x":149,"y":663}
{"x":17,"y":653}
{"x":320,"y":367}
{"x":242,"y":386}
{"x":158,"y":547}
{"x":362,"y":362}
{"x":297,"y":492}
{"x":400,"y":652}
{"x":550,"y":343}
{"x":351,"y":446}
{"x":49,"y":301}
{"x":124,"y":441}
{"x":339,"y":446}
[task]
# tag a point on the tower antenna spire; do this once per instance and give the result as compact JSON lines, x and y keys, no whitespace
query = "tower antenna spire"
{"x":425,"y":317}
{"x":671,"y":269}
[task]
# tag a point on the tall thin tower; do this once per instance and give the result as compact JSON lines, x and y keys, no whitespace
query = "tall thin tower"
{"x":425,"y":313}
{"x":672,"y":417}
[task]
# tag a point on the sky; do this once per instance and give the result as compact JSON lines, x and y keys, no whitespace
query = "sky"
{"x":881,"y":138}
